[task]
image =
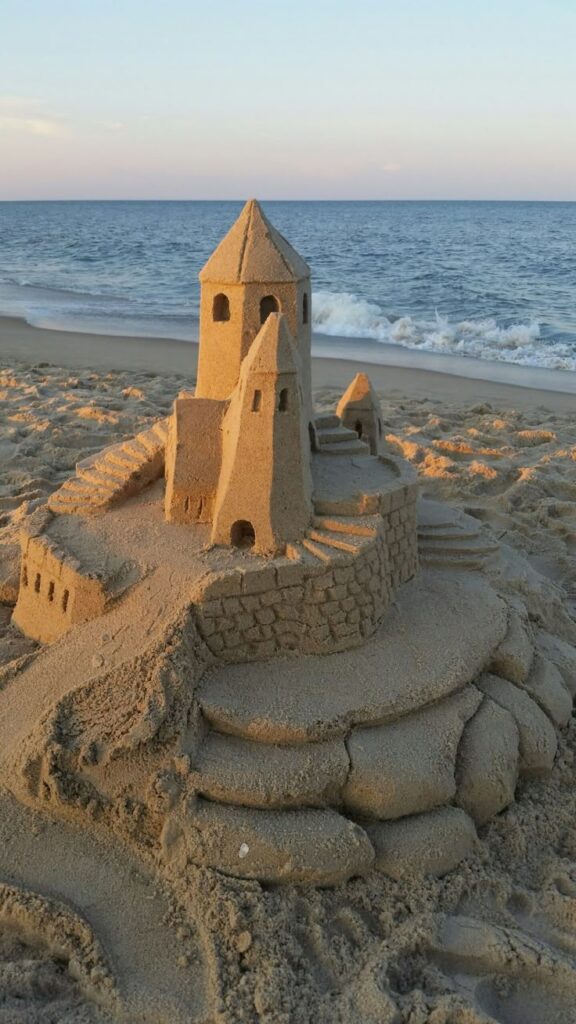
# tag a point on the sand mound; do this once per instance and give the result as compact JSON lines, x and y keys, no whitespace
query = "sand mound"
{"x":495,"y":940}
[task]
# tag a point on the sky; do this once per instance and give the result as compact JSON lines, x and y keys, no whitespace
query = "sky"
{"x":310,"y":99}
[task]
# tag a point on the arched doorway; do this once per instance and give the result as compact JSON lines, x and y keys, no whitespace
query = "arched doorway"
{"x":242,"y":534}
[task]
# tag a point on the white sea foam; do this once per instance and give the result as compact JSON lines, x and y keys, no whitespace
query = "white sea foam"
{"x":345,"y":315}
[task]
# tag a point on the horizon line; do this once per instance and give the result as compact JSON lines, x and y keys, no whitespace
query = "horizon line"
{"x":242,"y":199}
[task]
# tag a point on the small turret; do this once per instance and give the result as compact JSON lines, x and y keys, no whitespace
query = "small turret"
{"x":265,"y":487}
{"x":359,"y":409}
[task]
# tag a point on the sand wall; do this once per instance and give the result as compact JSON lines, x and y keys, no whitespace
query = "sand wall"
{"x":310,"y":609}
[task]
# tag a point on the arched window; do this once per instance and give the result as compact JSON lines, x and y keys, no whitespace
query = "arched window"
{"x":256,"y":401}
{"x":283,"y":400}
{"x":221,"y":307}
{"x":305,"y":308}
{"x":242,"y":534}
{"x":358,"y":427}
{"x":269,"y":304}
{"x":312,"y":436}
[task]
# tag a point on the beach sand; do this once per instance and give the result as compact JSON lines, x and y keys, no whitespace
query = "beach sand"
{"x":493,"y":941}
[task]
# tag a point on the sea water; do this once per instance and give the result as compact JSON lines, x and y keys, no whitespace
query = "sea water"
{"x":493,"y":280}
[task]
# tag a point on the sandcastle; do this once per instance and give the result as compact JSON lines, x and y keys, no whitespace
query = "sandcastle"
{"x":263,"y":655}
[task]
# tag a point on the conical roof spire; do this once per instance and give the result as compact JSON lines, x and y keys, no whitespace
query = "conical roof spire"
{"x":253,"y":251}
{"x":273,"y":350}
{"x":358,"y":395}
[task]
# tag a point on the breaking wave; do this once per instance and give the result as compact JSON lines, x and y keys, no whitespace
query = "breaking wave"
{"x":345,"y":315}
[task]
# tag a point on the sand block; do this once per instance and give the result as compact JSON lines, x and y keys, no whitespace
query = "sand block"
{"x":546,"y":685}
{"x":408,"y":766}
{"x":487,"y":769}
{"x":425,"y":844}
{"x":315,"y":846}
{"x":513,"y":658}
{"x":538,"y":742}
{"x":238,"y":771}
{"x":438,"y":637}
{"x":562,"y":654}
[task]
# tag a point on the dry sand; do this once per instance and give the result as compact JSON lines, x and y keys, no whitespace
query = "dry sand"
{"x":493,"y":941}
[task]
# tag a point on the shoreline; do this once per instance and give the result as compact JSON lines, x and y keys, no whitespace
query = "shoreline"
{"x":391,"y":368}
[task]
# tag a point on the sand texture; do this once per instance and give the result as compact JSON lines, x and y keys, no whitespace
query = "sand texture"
{"x":96,"y":925}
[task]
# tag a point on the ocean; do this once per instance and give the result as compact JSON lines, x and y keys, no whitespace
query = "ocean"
{"x":491,"y":280}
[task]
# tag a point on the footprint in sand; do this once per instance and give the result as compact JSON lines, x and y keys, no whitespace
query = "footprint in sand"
{"x":506,"y":975}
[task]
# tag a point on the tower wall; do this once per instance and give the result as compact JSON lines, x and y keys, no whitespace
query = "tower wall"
{"x":193,"y":458}
{"x":265,"y":482}
{"x":225,"y":343}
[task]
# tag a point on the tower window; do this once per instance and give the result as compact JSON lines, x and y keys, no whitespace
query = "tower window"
{"x":51,"y":591}
{"x":37,"y":583}
{"x":256,"y":401}
{"x":305,"y":308}
{"x":65,"y":597}
{"x":221,"y":307}
{"x":379,"y":428}
{"x":242,"y":534}
{"x":283,"y":400}
{"x":358,"y":427}
{"x":269,"y":304}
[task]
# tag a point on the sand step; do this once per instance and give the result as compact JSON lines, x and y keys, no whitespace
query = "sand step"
{"x":126,"y":460}
{"x":361,"y":527}
{"x":81,"y":490}
{"x":161,"y":428}
{"x":323,"y":554}
{"x":450,"y":562}
{"x":306,"y":845}
{"x":115,"y":474}
{"x":136,"y":448}
{"x":336,"y":540}
{"x":447,"y":532}
{"x":354,"y":447}
{"x":232,"y":770}
{"x":151,"y":441}
{"x":101,"y":479}
{"x":336,"y":435}
{"x":466,"y":546}
{"x":298,"y":553}
{"x":326,"y":422}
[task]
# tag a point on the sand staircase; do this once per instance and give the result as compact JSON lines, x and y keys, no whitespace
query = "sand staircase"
{"x":332,"y":536}
{"x":113,"y":474}
{"x":334,"y":439}
{"x":449,"y":540}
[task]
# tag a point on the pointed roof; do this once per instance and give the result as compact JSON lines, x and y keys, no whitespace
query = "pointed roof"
{"x":252,"y":252}
{"x":359,"y":394}
{"x":272,"y":350}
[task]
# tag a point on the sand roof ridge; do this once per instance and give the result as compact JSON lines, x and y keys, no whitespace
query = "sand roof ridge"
{"x":273,"y":349}
{"x":254,"y":251}
{"x":359,"y":392}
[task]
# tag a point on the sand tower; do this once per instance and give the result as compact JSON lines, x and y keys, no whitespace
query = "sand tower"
{"x":252,"y":273}
{"x":265,"y":487}
{"x":359,"y":410}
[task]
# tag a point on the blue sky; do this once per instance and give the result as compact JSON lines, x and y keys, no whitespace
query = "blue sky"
{"x":342,"y":99}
